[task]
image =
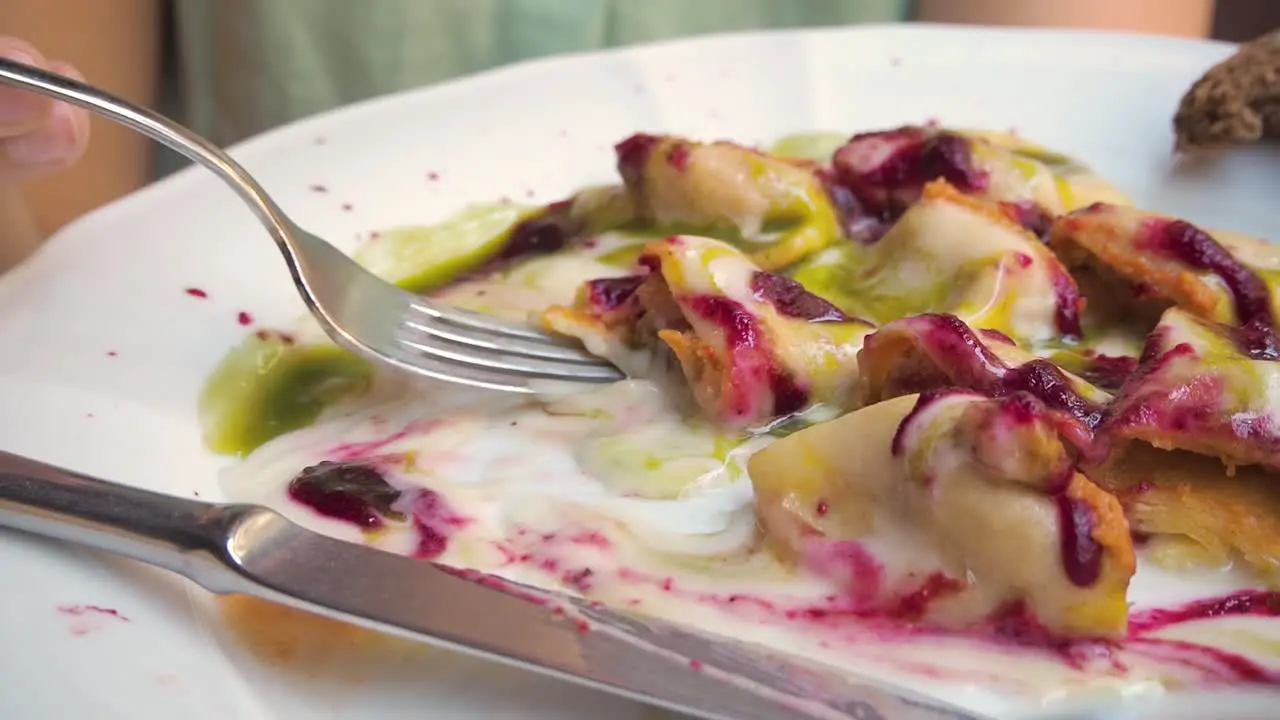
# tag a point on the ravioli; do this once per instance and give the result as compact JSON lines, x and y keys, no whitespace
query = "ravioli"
{"x":887,"y":170}
{"x":928,"y":352}
{"x":955,"y":254}
{"x":951,"y":509}
{"x":753,"y":346}
{"x":776,"y":209}
{"x":1197,"y":513}
{"x":1199,"y":389}
{"x":1193,"y":444}
{"x":929,"y":338}
{"x":1137,"y":263}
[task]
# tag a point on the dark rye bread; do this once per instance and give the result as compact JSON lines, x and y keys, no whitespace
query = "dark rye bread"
{"x":1236,"y":101}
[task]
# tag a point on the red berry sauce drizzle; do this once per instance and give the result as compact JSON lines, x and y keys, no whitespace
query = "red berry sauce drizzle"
{"x":1081,"y":554}
{"x":791,"y":299}
{"x":1256,"y":335}
{"x":960,"y":358}
{"x":881,"y":174}
{"x":360,"y":495}
{"x":584,"y":561}
{"x":605,"y":295}
{"x":863,"y":612}
{"x":751,"y":362}
{"x":1034,"y":392}
{"x":886,"y":171}
{"x":1108,"y":372}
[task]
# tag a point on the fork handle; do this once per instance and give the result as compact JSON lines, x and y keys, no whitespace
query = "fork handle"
{"x":157,"y":127}
{"x":177,"y":534}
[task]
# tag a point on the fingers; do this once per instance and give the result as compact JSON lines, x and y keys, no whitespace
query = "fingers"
{"x":36,"y":134}
{"x":21,"y":111}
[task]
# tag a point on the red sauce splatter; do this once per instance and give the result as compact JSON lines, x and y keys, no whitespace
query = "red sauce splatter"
{"x":1259,"y":603}
{"x":347,"y":207}
{"x":850,"y":565}
{"x":359,"y":451}
{"x":543,"y":233}
{"x":1250,"y":294}
{"x":244,"y":318}
{"x":790,"y":298}
{"x":1030,"y":216}
{"x":1147,"y":400}
{"x":915,"y":604}
{"x":608,"y":294}
{"x":196,"y":292}
{"x":632,"y":154}
{"x":1012,"y":624}
{"x":579,"y":579}
{"x":678,"y":156}
{"x":695,"y":665}
{"x":1069,"y":304}
{"x":352,"y":492}
{"x":112,"y":353}
{"x":961,"y":359}
{"x":1108,"y":372}
{"x":1047,"y":383}
{"x":591,"y":538}
{"x":1081,"y":554}
{"x":82,"y":610}
{"x":435,"y":522}
{"x":751,"y":363}
{"x":1015,"y":624}
{"x":887,"y":170}
{"x":858,"y":223}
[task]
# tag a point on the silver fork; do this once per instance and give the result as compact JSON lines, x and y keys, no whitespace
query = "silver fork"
{"x":355,"y":307}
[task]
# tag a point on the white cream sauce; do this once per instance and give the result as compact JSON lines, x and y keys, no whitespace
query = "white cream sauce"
{"x":659,"y":509}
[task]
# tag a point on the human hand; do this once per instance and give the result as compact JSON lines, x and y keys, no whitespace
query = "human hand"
{"x":37,"y":135}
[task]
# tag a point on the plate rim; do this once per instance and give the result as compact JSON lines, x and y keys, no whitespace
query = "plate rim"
{"x":247,"y":147}
{"x":271,"y":140}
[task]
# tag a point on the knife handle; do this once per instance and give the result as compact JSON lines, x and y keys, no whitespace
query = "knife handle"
{"x":186,"y":536}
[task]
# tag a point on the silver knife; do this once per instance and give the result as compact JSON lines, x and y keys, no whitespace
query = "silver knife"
{"x":252,"y":550}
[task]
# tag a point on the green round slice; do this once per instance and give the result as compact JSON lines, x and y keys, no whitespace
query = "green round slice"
{"x":422,"y":258}
{"x":269,"y":385}
{"x":819,"y":146}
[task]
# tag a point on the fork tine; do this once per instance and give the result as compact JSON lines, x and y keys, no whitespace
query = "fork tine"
{"x":544,"y":346}
{"x":484,"y":342}
{"x":434,"y":347}
{"x":408,"y":359}
{"x":485,"y":323}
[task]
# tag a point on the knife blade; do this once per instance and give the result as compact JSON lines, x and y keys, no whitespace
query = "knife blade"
{"x":252,"y":550}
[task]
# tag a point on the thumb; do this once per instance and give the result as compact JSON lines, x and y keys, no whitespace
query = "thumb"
{"x":36,"y":134}
{"x":21,"y":111}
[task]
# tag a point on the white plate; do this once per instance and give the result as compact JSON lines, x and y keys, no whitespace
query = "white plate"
{"x":104,"y":351}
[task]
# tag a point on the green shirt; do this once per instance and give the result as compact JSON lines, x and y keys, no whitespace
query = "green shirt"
{"x":249,"y":65}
